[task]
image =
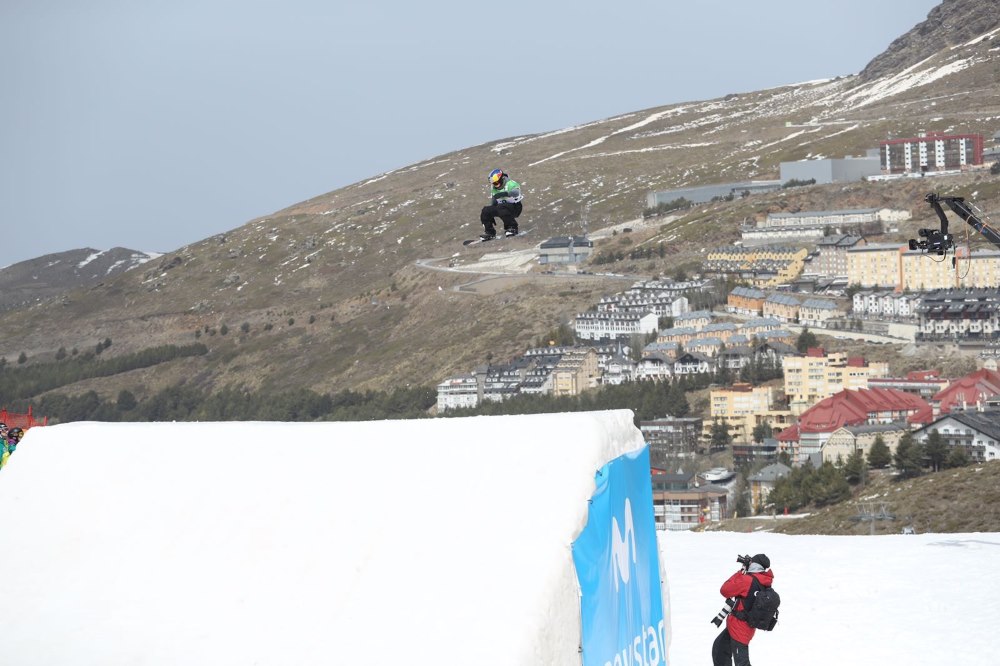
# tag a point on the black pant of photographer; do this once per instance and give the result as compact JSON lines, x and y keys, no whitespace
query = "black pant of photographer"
{"x":729,"y":652}
{"x":505,"y":211}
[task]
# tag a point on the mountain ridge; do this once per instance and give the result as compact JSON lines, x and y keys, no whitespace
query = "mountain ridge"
{"x":328,"y":293}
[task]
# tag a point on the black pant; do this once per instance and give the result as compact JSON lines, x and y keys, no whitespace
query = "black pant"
{"x":726,"y":651}
{"x":505,"y":211}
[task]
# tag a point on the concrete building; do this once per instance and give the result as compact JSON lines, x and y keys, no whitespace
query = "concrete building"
{"x":706,"y":193}
{"x":832,"y":170}
{"x":565,"y":250}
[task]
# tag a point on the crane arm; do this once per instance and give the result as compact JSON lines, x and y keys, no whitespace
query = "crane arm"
{"x":962,"y":209}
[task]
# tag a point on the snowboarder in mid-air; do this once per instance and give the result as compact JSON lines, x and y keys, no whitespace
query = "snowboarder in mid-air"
{"x":506,"y":204}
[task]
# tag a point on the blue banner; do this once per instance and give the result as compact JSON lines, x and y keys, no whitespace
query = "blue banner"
{"x":617,"y":564}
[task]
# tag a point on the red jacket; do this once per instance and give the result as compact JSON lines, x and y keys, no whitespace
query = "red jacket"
{"x":738,"y":586}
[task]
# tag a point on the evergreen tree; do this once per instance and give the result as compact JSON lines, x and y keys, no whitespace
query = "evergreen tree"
{"x":720,"y":437}
{"x":762,"y":431}
{"x":936,"y":450}
{"x":909,"y":458}
{"x":854,"y":467}
{"x":957,"y":457}
{"x":677,"y":404}
{"x":879,"y":455}
{"x":126,"y":401}
{"x":805,"y":340}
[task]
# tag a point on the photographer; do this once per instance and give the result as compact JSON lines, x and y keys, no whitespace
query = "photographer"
{"x":732,"y":645}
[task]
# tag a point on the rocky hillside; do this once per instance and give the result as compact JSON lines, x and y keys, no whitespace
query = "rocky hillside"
{"x":49,"y":277}
{"x":952,"y":23}
{"x":364,"y":287}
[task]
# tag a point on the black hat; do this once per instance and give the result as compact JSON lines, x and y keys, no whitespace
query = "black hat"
{"x":762,"y":560}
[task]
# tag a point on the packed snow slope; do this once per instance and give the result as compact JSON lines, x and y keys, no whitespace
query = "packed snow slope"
{"x":428,"y":541}
{"x":443,"y":541}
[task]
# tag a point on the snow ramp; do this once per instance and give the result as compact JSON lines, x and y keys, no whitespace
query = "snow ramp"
{"x":437,"y":541}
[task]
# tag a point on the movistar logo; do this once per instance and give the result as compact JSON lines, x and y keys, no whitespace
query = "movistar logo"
{"x":620,"y":542}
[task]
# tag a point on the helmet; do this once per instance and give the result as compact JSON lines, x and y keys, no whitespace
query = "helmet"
{"x":497,"y":177}
{"x":15,"y":433}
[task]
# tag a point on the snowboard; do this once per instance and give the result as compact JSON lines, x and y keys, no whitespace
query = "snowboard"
{"x":500,"y":236}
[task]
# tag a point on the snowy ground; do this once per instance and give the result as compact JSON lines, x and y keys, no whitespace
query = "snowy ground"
{"x":440,"y":541}
{"x":928,"y":599}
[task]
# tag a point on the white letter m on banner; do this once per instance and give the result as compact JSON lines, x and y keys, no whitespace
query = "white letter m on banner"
{"x":620,"y":567}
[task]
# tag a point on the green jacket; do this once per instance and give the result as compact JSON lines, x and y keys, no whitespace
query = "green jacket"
{"x":509,"y":192}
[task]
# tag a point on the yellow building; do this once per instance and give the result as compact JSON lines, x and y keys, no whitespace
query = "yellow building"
{"x":925,"y":272}
{"x":771,"y":265}
{"x":576,"y":372}
{"x":875,"y":265}
{"x":818,"y":375}
{"x":743,"y":407}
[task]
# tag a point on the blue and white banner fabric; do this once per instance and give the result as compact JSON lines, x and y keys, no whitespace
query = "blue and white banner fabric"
{"x":617,"y":564}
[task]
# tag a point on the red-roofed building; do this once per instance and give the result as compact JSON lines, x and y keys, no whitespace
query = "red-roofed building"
{"x":969,"y":392}
{"x":853,"y":408}
{"x":925,"y":383}
{"x":788,"y":442}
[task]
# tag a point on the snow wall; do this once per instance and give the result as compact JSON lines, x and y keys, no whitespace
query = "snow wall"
{"x":430,"y":541}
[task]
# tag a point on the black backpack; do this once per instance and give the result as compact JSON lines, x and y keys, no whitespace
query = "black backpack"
{"x":760,"y":608}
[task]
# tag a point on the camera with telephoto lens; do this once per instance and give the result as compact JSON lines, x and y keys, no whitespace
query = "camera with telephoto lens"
{"x":744,"y":560}
{"x":726,"y":610}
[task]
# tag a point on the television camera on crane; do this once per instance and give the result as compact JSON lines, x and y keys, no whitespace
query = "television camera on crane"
{"x":939,"y":241}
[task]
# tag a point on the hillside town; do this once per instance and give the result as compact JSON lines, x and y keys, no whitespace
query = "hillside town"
{"x":810,"y":272}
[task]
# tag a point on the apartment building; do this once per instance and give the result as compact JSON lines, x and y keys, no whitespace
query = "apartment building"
{"x":742,"y":407}
{"x":575,"y":372}
{"x":831,"y":257}
{"x":976,"y":433}
{"x":887,"y":304}
{"x":745,"y":301}
{"x":846,"y":440}
{"x":932,"y":151}
{"x":815,"y":312}
{"x":923,"y":272}
{"x":818,"y":375}
{"x":614,"y":325}
{"x":696,"y":320}
{"x":762,"y":483}
{"x":670,"y":436}
{"x":875,"y":265}
{"x":852,"y":408}
{"x":959,"y":315}
{"x":458,"y":393}
{"x":783,"y":307}
{"x":764,"y":266}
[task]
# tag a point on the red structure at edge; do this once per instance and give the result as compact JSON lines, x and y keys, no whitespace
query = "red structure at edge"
{"x":24,"y":421}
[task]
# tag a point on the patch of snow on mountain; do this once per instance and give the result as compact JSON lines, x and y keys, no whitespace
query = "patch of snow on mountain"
{"x":89,"y":259}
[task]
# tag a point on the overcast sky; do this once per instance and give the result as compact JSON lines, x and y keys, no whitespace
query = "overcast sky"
{"x":152,"y":125}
